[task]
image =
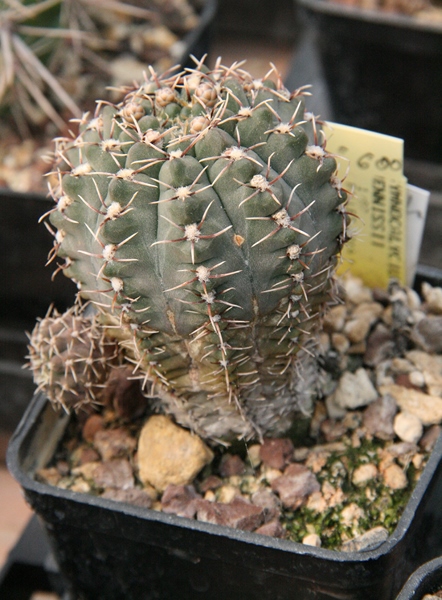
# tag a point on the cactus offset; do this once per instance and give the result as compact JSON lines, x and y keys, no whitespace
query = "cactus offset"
{"x":71,"y":358}
{"x":202,"y":216}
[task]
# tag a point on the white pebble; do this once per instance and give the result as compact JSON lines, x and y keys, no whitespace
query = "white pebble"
{"x":417,"y":378}
{"x":433,"y":297}
{"x":355,"y":390}
{"x":408,"y":427}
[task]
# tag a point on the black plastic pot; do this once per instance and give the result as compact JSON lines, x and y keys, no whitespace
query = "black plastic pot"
{"x":114,"y":551}
{"x":383,"y":72}
{"x":28,"y":288}
{"x":25,"y":293}
{"x":197,"y":42}
{"x":426,"y":580}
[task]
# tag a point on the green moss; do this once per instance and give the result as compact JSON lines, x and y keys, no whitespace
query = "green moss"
{"x":378,"y":504}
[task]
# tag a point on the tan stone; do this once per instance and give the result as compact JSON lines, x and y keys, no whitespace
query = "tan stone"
{"x":395,"y":478}
{"x":254,"y":454}
{"x":370,"y":311}
{"x":431,"y":368}
{"x":340,"y":342}
{"x":80,"y":486}
{"x":433,"y":297}
{"x":357,"y":329}
{"x":351,"y":515}
{"x":364,"y":473}
{"x":270,"y":474}
{"x":334,"y":320}
{"x":359,"y":348}
{"x":333,"y":496}
{"x":312,"y":539}
{"x":316,"y":502}
{"x":226,"y":493}
{"x":427,"y":408}
{"x":169,"y":454}
{"x":355,"y":290}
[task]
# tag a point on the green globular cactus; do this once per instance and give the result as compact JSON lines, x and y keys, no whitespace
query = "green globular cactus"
{"x":202,"y":216}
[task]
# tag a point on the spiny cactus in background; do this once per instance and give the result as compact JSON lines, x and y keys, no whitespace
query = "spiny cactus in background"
{"x":29,"y":34}
{"x":38,"y":83}
{"x":202,"y":217}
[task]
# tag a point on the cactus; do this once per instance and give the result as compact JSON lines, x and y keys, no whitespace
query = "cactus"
{"x":202,"y":217}
{"x":71,"y":358}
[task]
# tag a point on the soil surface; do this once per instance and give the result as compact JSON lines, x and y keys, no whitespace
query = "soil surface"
{"x":339,"y":479}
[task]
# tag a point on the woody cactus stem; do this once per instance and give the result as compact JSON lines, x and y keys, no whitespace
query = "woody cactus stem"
{"x":203,"y":216}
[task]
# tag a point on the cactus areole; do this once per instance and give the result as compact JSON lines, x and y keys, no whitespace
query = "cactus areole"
{"x":202,"y":218}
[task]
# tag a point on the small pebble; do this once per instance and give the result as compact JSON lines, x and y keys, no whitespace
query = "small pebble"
{"x":272,"y":529}
{"x":355,"y":390}
{"x":340,"y":342}
{"x":312,"y":539}
{"x":379,"y":417}
{"x":427,"y":408}
{"x":114,"y":443}
{"x":394,"y":477}
{"x":277,"y":453}
{"x":254,"y":455}
{"x":295,"y":485}
{"x":231,"y":464}
{"x":356,"y":330}
{"x":334,"y":320}
{"x":238,"y":514}
{"x":408,"y":427}
{"x":226,"y":493}
{"x":364,"y":473}
{"x":93,"y":424}
{"x":180,"y":500}
{"x":430,"y":437}
{"x":433,"y":297}
{"x":351,"y":515}
{"x":427,"y":334}
{"x":161,"y":448}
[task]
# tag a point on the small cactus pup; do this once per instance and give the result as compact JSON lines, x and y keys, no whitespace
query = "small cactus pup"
{"x":202,"y":218}
{"x":71,"y":357}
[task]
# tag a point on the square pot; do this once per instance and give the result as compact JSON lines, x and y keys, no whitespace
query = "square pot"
{"x":109,"y":550}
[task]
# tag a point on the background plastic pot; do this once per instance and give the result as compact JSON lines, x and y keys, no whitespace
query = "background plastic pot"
{"x":26,"y":293}
{"x":426,"y":580}
{"x":112,"y":551}
{"x":383,"y":72}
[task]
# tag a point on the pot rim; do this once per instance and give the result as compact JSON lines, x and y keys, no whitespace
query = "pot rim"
{"x":330,"y":8}
{"x":422,"y":580}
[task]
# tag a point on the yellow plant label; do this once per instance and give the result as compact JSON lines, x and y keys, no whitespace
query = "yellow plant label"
{"x":372,"y":167}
